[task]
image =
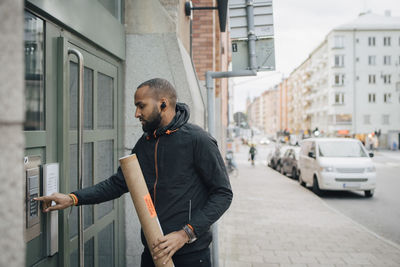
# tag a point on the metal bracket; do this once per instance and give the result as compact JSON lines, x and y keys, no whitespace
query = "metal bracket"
{"x":189,"y":7}
{"x":250,"y":3}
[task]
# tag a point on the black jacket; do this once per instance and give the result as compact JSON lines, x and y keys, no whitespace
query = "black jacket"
{"x":185,"y":175}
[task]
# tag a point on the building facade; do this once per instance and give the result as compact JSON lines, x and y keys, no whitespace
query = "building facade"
{"x":362,"y":95}
{"x":263,"y":112}
{"x":122,"y":43}
{"x":211,"y":52}
{"x":350,"y":84}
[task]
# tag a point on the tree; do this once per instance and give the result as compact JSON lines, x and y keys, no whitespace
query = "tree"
{"x":240,"y":119}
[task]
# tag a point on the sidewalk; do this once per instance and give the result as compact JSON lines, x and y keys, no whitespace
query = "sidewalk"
{"x":275,"y":222}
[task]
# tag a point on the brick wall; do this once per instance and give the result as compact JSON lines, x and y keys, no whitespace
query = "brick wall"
{"x":203,"y":38}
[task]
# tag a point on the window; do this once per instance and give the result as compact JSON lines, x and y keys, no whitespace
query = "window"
{"x":339,"y":80}
{"x":386,"y":41}
{"x":371,"y":98}
{"x":387,"y":98}
{"x":386,"y":78}
{"x":385,"y":119}
{"x":371,"y":60}
{"x":339,"y":60}
{"x":34,"y":73}
{"x":338,"y":42}
{"x":339,"y":98}
{"x":367,"y":119}
{"x":386,"y":60}
{"x":371,"y":41}
{"x":371,"y":78}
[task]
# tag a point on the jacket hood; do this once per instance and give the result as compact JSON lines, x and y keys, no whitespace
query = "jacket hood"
{"x":181,"y":117}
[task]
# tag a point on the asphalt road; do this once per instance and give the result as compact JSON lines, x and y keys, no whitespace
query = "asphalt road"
{"x":381,"y":213}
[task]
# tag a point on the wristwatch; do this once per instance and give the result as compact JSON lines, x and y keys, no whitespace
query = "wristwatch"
{"x":190,"y":233}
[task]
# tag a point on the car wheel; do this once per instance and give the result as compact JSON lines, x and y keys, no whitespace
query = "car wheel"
{"x":282,"y":170}
{"x":369,"y":193}
{"x":294,"y":173}
{"x":316,"y":188}
{"x":278,"y":167}
{"x":301,"y":182}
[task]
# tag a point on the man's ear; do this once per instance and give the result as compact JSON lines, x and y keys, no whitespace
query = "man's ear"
{"x":164,"y":103}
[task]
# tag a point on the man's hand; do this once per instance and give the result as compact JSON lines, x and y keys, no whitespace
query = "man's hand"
{"x":169,"y":244}
{"x":62,"y":201}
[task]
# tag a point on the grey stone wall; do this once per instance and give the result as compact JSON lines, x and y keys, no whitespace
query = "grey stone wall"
{"x":12,"y":245}
{"x":153,"y":49}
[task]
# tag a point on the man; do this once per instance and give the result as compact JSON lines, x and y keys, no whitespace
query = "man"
{"x":184,"y":172}
{"x":252,"y":153}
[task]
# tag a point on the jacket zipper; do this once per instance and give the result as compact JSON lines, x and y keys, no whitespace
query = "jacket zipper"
{"x":156,"y":167}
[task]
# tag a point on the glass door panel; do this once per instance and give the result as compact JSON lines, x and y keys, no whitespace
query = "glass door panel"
{"x":100,"y":137}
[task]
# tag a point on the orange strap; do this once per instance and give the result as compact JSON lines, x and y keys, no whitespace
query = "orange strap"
{"x":74,"y":199}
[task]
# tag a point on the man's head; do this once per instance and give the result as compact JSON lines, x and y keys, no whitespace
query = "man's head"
{"x":155,"y":102}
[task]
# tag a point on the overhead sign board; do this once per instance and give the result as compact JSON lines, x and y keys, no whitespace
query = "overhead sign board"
{"x":263,"y":19}
{"x":264,"y":54}
{"x":263,"y":30}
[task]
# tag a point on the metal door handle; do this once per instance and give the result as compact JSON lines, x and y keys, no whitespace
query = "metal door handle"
{"x":79,"y":55}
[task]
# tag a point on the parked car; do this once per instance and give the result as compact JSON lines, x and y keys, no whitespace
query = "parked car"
{"x":336,"y":164}
{"x":265,"y":141}
{"x":274,"y":159}
{"x":288,"y":162}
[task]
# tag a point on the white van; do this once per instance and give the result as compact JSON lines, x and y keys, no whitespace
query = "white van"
{"x":336,"y":164}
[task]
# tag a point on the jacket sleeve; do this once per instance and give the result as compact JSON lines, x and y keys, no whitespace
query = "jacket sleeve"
{"x":211,"y":167}
{"x":106,"y":190}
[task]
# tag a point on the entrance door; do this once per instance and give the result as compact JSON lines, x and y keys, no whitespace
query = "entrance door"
{"x":54,"y":137}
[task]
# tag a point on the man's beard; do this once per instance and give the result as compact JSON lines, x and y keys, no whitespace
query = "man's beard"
{"x":153,"y":122}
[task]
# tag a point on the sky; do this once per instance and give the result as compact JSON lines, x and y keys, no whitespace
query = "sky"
{"x":300,"y":26}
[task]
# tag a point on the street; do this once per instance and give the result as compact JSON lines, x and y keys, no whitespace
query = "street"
{"x":273,"y":221}
{"x":381,"y":213}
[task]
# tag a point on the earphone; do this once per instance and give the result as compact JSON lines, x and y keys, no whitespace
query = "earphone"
{"x":163,"y":105}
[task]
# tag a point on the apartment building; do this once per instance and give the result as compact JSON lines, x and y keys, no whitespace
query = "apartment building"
{"x":263,"y":112}
{"x":299,"y":89}
{"x":350,"y":84}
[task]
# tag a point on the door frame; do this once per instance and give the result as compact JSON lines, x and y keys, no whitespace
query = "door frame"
{"x":65,"y":40}
{"x":54,"y":139}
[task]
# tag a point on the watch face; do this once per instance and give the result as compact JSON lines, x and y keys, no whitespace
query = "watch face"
{"x":192,"y":240}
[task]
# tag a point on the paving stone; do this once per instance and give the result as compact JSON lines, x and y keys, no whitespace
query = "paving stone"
{"x":274,"y":222}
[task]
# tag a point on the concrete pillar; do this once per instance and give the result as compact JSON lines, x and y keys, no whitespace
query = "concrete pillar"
{"x":12,"y":245}
{"x":157,"y":45}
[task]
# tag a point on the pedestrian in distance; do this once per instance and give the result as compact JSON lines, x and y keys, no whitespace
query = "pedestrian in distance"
{"x":252,"y":153}
{"x":184,"y":172}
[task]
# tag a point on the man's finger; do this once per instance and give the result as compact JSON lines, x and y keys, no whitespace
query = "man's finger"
{"x":158,"y":249}
{"x":159,"y":241}
{"x":56,"y":207}
{"x":44,"y":198}
{"x":161,"y":253}
{"x":170,"y":254}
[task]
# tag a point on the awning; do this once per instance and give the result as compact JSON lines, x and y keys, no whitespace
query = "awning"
{"x":343,"y":132}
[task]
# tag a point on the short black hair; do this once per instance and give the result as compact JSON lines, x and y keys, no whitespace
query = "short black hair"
{"x":161,"y":88}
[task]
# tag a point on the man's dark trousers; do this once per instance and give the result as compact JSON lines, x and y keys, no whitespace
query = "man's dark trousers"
{"x":194,"y":259}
